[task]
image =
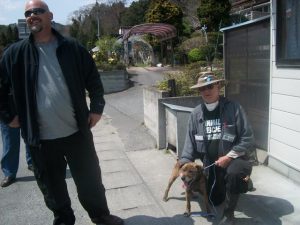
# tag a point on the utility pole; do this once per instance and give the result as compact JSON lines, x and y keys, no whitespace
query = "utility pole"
{"x":98,"y":21}
{"x":208,"y":57}
{"x":203,"y":29}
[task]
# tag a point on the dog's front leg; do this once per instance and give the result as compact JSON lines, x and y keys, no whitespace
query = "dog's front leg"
{"x":175,"y":174}
{"x":203,"y":191}
{"x":171,"y":181}
{"x":188,"y":195}
{"x":205,"y":196}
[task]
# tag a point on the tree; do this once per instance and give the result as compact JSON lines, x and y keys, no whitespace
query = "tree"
{"x":11,"y":34}
{"x":8,"y":35}
{"x":135,"y":14}
{"x":3,"y":39}
{"x":214,"y":14}
{"x":117,"y":9}
{"x":110,"y":17}
{"x":189,"y":9}
{"x":74,"y":28}
{"x":163,"y":11}
{"x":15,"y":33}
{"x":87,"y":20}
{"x":82,"y":31}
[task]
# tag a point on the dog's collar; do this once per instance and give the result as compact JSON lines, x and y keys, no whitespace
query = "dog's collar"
{"x":192,"y":181}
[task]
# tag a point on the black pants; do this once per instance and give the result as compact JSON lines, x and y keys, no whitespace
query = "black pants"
{"x":50,"y":162}
{"x":230,"y":180}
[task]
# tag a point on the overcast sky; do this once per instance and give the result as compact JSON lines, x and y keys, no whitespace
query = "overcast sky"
{"x":12,"y":10}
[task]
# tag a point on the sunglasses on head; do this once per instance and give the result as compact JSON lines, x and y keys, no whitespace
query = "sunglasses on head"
{"x":35,"y":11}
{"x":207,"y":87}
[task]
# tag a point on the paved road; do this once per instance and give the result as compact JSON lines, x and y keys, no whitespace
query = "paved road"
{"x":126,"y":108}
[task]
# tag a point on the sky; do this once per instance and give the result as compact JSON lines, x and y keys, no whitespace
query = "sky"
{"x":12,"y":10}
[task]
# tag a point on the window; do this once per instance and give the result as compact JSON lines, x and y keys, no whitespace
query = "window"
{"x":288,"y":33}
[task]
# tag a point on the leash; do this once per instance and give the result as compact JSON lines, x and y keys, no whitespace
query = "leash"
{"x":214,"y":213}
{"x":212,"y":187}
{"x":213,"y":164}
{"x":193,"y":180}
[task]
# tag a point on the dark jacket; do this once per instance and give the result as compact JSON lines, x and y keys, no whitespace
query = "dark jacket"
{"x":236,"y":132}
{"x":18,"y":84}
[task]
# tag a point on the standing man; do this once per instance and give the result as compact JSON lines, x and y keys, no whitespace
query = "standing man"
{"x":47,"y":76}
{"x":220,"y":135}
{"x":11,"y":154}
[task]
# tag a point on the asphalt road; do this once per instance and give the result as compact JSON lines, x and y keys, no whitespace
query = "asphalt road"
{"x":126,"y":108}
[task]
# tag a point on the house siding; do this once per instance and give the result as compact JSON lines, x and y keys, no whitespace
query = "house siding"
{"x":284,"y":125}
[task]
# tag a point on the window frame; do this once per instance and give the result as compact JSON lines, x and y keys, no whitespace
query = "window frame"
{"x":281,"y":59}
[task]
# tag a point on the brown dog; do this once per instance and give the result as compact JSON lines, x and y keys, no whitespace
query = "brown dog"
{"x":194,"y":181}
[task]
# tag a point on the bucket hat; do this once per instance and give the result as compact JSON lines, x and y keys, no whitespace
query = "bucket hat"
{"x":207,"y":78}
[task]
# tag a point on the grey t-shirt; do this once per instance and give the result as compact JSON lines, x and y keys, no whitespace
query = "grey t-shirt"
{"x":56,"y":115}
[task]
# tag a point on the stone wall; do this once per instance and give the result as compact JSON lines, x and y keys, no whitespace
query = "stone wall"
{"x":114,"y":81}
{"x":167,"y":123}
{"x":150,"y":100}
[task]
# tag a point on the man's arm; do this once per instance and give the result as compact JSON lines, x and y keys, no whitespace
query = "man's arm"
{"x":93,"y":83}
{"x":93,"y":119}
{"x":245,"y":142}
{"x":188,"y":152}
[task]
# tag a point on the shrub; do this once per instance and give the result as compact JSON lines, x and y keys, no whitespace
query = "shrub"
{"x":106,"y":66}
{"x":108,"y":56}
{"x":183,"y":79}
{"x":195,"y":55}
{"x":183,"y":83}
{"x":186,"y":78}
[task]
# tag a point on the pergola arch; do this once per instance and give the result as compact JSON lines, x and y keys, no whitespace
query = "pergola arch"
{"x":162,"y":31}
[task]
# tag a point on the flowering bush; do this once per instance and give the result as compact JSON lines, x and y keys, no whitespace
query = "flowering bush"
{"x":108,"y":57}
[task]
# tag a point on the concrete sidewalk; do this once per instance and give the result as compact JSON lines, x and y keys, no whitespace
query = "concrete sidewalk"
{"x":135,"y":182}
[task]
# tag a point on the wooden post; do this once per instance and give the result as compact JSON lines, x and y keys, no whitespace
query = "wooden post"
{"x":172,"y":87}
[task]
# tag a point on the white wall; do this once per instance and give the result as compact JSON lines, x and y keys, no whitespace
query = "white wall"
{"x":284,"y":128}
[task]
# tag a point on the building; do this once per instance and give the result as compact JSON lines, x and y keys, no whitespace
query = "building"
{"x":284,"y":121}
{"x":250,"y":9}
{"x":262,"y":64}
{"x":24,"y":31}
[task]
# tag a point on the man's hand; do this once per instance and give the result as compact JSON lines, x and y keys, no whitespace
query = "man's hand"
{"x":15,"y":122}
{"x":94,"y":119}
{"x":223,"y":161}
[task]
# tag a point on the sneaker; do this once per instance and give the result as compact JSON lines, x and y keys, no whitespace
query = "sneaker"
{"x":7,"y":181}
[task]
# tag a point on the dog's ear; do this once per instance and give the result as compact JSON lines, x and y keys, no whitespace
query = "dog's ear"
{"x":199,"y":168}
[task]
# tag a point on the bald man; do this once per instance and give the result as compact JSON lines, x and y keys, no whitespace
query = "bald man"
{"x":46,"y":77}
